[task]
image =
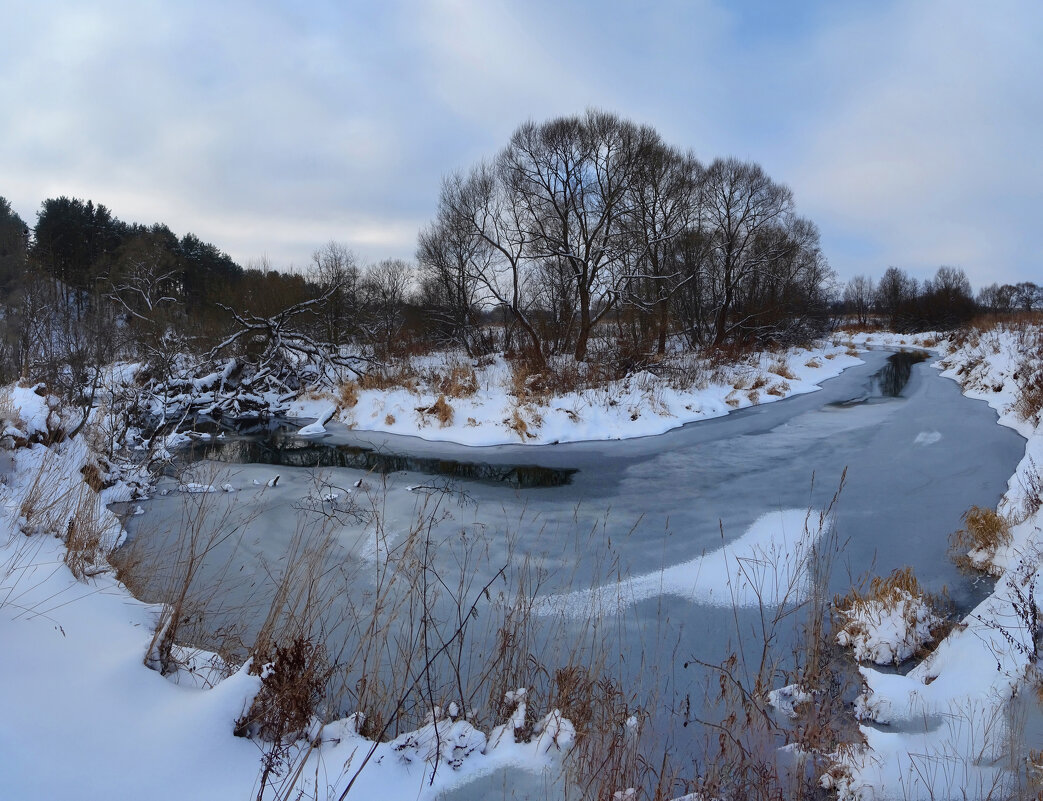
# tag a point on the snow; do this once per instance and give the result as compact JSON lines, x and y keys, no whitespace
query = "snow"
{"x":318,"y":428}
{"x":888,"y":630}
{"x":943,"y":730}
{"x":84,"y":718}
{"x":785,"y":700}
{"x":640,"y":405}
{"x":766,"y":565}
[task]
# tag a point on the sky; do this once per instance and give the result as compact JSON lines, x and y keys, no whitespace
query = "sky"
{"x":910,"y":132}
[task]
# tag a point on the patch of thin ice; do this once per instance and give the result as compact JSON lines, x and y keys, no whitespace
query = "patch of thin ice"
{"x":766,"y":565}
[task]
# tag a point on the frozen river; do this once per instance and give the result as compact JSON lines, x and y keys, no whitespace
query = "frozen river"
{"x":644,"y":512}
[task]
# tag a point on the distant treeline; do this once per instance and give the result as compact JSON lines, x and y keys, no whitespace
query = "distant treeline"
{"x":941,"y":303}
{"x":584,"y":233}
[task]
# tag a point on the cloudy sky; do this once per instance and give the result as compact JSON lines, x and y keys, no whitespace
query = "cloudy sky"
{"x":911,"y":132}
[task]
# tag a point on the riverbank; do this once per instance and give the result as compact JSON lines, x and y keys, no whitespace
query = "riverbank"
{"x":113,"y":704}
{"x":490,"y":401}
{"x":946,"y":729}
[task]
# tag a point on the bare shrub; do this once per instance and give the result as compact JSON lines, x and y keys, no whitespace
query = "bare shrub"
{"x":984,"y":532}
{"x":293,"y":679}
{"x":1029,"y":376}
{"x":401,"y":375}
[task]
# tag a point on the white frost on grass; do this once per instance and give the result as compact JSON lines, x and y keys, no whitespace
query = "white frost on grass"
{"x":766,"y":565}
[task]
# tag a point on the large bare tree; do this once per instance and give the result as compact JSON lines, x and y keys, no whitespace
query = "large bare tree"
{"x":741,"y":205}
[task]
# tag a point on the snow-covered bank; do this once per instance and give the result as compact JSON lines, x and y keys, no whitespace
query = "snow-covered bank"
{"x":943,"y":730}
{"x":488,"y":403}
{"x":83,"y":717}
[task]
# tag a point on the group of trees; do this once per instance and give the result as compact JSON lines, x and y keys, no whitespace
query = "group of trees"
{"x":592,"y":218}
{"x":585,"y":233}
{"x":943,"y":302}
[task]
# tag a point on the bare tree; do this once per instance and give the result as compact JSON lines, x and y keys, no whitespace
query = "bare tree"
{"x":450,"y":255}
{"x":741,"y":204}
{"x":895,"y":290}
{"x":859,"y":295}
{"x":499,"y":266}
{"x":335,"y":272}
{"x":663,"y":206}
{"x":384,"y":288}
{"x":570,"y":180}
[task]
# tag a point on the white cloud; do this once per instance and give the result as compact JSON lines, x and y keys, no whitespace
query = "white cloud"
{"x":909,"y":131}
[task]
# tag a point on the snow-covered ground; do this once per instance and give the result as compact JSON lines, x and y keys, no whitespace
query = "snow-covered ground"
{"x":83,"y":717}
{"x":490,"y":407}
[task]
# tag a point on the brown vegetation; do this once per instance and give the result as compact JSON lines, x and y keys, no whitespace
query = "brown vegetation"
{"x":985,"y":531}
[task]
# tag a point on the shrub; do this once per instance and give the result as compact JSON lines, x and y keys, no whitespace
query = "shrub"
{"x":984,"y":532}
{"x":292,"y":683}
{"x":889,"y":623}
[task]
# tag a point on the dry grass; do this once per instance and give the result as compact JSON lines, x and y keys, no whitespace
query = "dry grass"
{"x":780,"y":367}
{"x":518,"y":425}
{"x":349,"y":394}
{"x":43,"y":505}
{"x":400,"y":375}
{"x":1029,"y":376}
{"x":900,"y":591}
{"x":814,"y":364}
{"x":1032,"y":486}
{"x":460,"y":382}
{"x":779,"y":390}
{"x":442,"y":411}
{"x":984,"y":532}
{"x":389,"y":419}
{"x":83,"y":536}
